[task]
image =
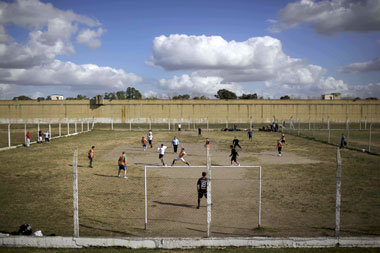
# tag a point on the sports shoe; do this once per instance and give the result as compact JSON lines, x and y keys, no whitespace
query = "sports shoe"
{"x":125,"y":177}
{"x":197,"y":207}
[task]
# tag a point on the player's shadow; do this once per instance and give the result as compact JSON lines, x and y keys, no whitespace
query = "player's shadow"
{"x":174,"y":204}
{"x":107,"y":230}
{"x":100,"y":175}
{"x":79,"y":166}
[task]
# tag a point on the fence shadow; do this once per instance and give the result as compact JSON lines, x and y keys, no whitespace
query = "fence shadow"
{"x":107,"y":230}
{"x":174,"y":204}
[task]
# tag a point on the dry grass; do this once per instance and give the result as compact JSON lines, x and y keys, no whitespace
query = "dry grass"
{"x":298,"y":199}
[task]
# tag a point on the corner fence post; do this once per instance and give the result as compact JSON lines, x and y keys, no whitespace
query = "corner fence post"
{"x":338,"y":192}
{"x":75,"y":193}
{"x":209,"y":202}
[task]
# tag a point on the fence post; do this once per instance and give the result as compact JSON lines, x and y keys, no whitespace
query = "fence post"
{"x":75,"y":193}
{"x":360,"y":122}
{"x":50,"y":130}
{"x":365,"y":123}
{"x":9,"y":134}
{"x":298,"y":133}
{"x":250,"y":125}
{"x":189,"y":126}
{"x":111,"y":124}
{"x":209,"y":202}
{"x":207,"y":124}
{"x":348,"y":132}
{"x":82,"y":126}
{"x":25,"y":132}
{"x":93,"y":123}
{"x":59,"y":129}
{"x":150,"y":124}
{"x":146,"y":200}
{"x":88,"y":126}
{"x":130,"y":125}
{"x":338,"y":192}
{"x":328,"y":125}
{"x":75,"y":127}
{"x":38,"y":126}
{"x":259,"y":216}
{"x":369,"y":140}
{"x":226,"y":123}
{"x":169,"y":124}
{"x":68,"y":128}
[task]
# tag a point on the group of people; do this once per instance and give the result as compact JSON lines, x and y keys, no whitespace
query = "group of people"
{"x":39,"y":139}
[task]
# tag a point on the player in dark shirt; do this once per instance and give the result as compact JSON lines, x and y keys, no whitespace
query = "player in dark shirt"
{"x":234,"y":154}
{"x":236,"y":142}
{"x":202,"y":188}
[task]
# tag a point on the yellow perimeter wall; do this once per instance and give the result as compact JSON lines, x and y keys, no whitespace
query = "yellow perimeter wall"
{"x":215,"y":111}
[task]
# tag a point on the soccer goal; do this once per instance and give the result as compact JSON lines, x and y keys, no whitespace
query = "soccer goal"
{"x":171,"y":191}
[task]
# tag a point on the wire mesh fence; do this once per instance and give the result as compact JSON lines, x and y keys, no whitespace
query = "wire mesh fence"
{"x":362,"y":136}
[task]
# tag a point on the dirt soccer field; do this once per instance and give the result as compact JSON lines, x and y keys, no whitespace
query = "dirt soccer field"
{"x":298,"y":189}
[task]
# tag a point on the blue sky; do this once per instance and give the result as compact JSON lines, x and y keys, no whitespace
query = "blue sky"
{"x":164,"y":48}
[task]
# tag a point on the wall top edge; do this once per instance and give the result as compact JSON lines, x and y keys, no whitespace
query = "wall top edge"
{"x":196,"y":102}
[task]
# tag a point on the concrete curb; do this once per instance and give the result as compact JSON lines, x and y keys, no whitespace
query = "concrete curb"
{"x":184,"y":243}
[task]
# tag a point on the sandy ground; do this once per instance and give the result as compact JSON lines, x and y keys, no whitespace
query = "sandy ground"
{"x":172,"y":194}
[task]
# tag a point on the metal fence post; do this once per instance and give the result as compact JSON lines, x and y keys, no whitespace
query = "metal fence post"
{"x":9,"y":135}
{"x":150,"y":124}
{"x":50,"y":131}
{"x":328,"y":126}
{"x":348,"y":132}
{"x":369,"y":140}
{"x":111,"y":124}
{"x":259,"y":215}
{"x":88,"y":125}
{"x":146,"y":200}
{"x":82,"y":126}
{"x":75,"y":193}
{"x":75,"y":127}
{"x":209,"y":202}
{"x":68,"y":128}
{"x":25,"y":132}
{"x":130,"y":125}
{"x":338,"y":192}
{"x":207,"y":124}
{"x":59,"y":129}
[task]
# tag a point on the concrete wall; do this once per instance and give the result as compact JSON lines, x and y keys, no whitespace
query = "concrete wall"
{"x":215,"y":111}
{"x":183,"y":243}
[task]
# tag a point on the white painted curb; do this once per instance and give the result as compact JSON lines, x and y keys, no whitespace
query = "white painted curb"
{"x":183,"y":243}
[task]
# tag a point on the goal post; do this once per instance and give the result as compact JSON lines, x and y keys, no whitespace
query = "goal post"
{"x":209,"y":205}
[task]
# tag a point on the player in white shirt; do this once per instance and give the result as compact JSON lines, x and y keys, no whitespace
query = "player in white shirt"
{"x":161,"y":151}
{"x":150,"y":138}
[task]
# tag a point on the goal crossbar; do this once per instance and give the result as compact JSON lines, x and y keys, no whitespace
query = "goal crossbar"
{"x":212,"y":166}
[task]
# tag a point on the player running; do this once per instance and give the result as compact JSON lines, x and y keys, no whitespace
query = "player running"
{"x":202,"y":188}
{"x":161,"y":151}
{"x":143,"y":142}
{"x":234,"y":154}
{"x":279,"y":147}
{"x":235,"y":142}
{"x":123,"y":165}
{"x":250,"y":134}
{"x":180,"y":157}
{"x":150,"y":138}
{"x":283,"y":139}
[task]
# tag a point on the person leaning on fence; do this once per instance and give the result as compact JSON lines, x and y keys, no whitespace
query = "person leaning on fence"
{"x":47,"y":136}
{"x":343,"y":142}
{"x":40,"y":136}
{"x":202,"y":188}
{"x":27,"y":139}
{"x":91,"y":155}
{"x":123,"y":165}
{"x":279,"y":147}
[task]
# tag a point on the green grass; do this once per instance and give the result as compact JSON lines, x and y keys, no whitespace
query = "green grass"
{"x":298,"y":199}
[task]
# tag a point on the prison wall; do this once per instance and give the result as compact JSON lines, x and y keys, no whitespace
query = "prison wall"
{"x":213,"y":111}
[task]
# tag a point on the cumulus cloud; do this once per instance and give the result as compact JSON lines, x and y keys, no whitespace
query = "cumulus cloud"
{"x":50,"y":32}
{"x":60,"y":73}
{"x":359,"y":67}
{"x":197,"y":85}
{"x":329,"y":17}
{"x":90,"y":37}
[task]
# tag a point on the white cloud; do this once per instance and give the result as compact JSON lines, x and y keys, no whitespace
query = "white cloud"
{"x":4,"y":89}
{"x":60,"y":73}
{"x":358,"y":67}
{"x":331,"y":16}
{"x":50,"y":32}
{"x":90,"y":37}
{"x":197,"y":85}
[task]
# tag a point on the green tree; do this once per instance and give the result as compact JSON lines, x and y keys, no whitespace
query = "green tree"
{"x":22,"y":98}
{"x":132,"y":93}
{"x":225,"y":94}
{"x":81,"y":97}
{"x":201,"y":97}
{"x":285,"y":97}
{"x":110,"y":95}
{"x":40,"y":99}
{"x":185,"y":96}
{"x":120,"y":95}
{"x":248,"y":96}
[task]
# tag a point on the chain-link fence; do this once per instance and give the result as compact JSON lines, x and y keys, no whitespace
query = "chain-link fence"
{"x":363,"y":135}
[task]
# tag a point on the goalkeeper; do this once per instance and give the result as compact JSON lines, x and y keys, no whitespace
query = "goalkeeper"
{"x":202,"y":188}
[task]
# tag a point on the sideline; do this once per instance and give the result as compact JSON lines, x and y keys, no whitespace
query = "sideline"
{"x":185,"y":243}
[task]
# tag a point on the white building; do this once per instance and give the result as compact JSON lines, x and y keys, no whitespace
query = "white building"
{"x":331,"y":96}
{"x":55,"y":97}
